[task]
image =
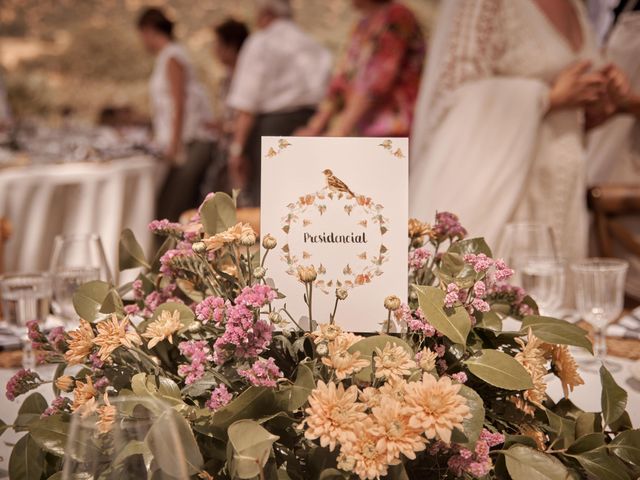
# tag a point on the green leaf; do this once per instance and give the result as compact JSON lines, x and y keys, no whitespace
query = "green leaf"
{"x":613,"y":398}
{"x":112,"y":303}
{"x":627,"y":446}
{"x":454,"y":323}
{"x":471,"y":245}
{"x":556,"y":331}
{"x":295,"y":396}
{"x":332,"y":474}
{"x":525,"y":463}
{"x":27,"y":460}
{"x":30,"y":410}
{"x":600,"y":464}
{"x":472,"y":426}
{"x":250,"y":448}
{"x":130,"y":252}
{"x":500,"y":370}
{"x":586,"y":443}
{"x":218,"y":213}
{"x":490,"y":321}
{"x":621,"y":424}
{"x":173,"y":446}
{"x":52,"y":434}
{"x":88,"y":299}
{"x":562,"y":430}
{"x":367,"y":347}
{"x":588,"y":422}
{"x":3,"y":427}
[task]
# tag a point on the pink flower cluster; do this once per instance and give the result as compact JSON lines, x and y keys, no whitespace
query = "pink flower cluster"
{"x":415,"y":321}
{"x":151,"y":301}
{"x":263,"y":373}
{"x":165,"y":227}
{"x":22,"y":382}
{"x":256,"y":296}
{"x":220,"y":397}
{"x":211,"y":309}
{"x":479,"y":262}
{"x":58,"y":405}
{"x":452,"y":296}
{"x":199,"y":354}
{"x":38,"y":339}
{"x":418,"y":258}
{"x":460,"y":377}
{"x":448,"y":226}
{"x":476,"y":463}
{"x":168,"y":261}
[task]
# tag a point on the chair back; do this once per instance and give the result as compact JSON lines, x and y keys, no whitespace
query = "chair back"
{"x":5,"y":231}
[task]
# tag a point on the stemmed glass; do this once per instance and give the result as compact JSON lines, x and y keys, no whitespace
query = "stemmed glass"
{"x":129,"y":437}
{"x":543,"y":278}
{"x":76,"y":259}
{"x":599,"y":287}
{"x":524,"y":240}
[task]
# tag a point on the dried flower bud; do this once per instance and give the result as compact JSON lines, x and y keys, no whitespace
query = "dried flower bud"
{"x":275,"y":317}
{"x":269,"y":242}
{"x":199,"y":247}
{"x":259,"y":272}
{"x":307,"y":274}
{"x":322,"y":349}
{"x":342,"y":293}
{"x":392,"y":303}
{"x":195,"y":327}
{"x":248,"y":239}
{"x":65,"y":383}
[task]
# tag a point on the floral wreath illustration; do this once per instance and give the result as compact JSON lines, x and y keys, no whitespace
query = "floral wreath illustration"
{"x":363,"y":208}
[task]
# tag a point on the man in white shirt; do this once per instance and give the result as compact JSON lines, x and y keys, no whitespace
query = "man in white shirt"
{"x":280,"y":78}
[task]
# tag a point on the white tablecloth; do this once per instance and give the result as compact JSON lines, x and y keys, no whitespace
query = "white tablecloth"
{"x":42,"y":201}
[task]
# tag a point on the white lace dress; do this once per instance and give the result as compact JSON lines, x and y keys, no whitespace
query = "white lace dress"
{"x":483,"y":144}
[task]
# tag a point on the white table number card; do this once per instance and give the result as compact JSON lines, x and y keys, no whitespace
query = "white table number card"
{"x":340,"y":205}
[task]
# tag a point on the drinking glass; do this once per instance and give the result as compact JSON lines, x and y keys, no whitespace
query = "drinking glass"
{"x":76,"y":259}
{"x":25,"y":297}
{"x":522,"y":241}
{"x":599,"y":287}
{"x":543,"y":278}
{"x":130,"y":438}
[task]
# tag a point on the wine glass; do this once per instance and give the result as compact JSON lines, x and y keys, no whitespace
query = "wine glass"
{"x":543,"y":278}
{"x":76,"y":259}
{"x":524,"y":240}
{"x":129,"y":437}
{"x":25,"y":297}
{"x":599,"y":287}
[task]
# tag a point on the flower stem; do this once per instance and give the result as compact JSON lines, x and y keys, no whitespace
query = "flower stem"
{"x":332,"y":318}
{"x":388,"y":321}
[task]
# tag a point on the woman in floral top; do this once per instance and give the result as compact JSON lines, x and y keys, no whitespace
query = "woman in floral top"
{"x":374,"y":90}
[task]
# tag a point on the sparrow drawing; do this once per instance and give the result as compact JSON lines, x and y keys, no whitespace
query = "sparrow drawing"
{"x":387,"y":144}
{"x":283,"y":143}
{"x":271,"y":153}
{"x":335,"y":184}
{"x":398,"y":153}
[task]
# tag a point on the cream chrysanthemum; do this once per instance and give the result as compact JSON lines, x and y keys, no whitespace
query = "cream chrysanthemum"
{"x":536,"y":434}
{"x":106,"y":416}
{"x":436,"y":406}
{"x":80,"y":343}
{"x":532,"y":358}
{"x":393,"y":361}
{"x":342,"y":361}
{"x":396,"y":436}
{"x":113,"y":334}
{"x":163,"y":328}
{"x":363,"y":457}
{"x":426,"y":359}
{"x":565,"y":368}
{"x":328,"y":333}
{"x":232,"y":234}
{"x":83,"y":393}
{"x":334,"y":415}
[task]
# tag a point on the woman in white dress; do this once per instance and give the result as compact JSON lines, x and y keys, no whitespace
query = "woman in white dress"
{"x":502,"y":115}
{"x":181,"y":113}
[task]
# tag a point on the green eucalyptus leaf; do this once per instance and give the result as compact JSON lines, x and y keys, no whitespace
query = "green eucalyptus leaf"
{"x":31,"y":410}
{"x":613,"y":397}
{"x":27,"y":460}
{"x":500,"y":370}
{"x":332,"y":474}
{"x":600,"y":464}
{"x":3,"y":427}
{"x":490,"y":320}
{"x":525,"y":463}
{"x":218,"y":213}
{"x":561,"y":332}
{"x":627,"y":446}
{"x":454,"y":323}
{"x":587,"y":443}
{"x":472,"y":426}
{"x":562,"y":430}
{"x":130,"y":252}
{"x":173,"y":446}
{"x":293,"y":397}
{"x":52,"y":434}
{"x":88,"y":299}
{"x":588,"y":422}
{"x":251,"y":444}
{"x":112,"y":303}
{"x":622,"y":423}
{"x":471,"y":245}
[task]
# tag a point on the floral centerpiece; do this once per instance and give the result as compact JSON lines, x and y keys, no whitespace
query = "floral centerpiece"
{"x":454,"y":395}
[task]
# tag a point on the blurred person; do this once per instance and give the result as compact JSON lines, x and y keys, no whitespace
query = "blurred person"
{"x":280,"y":78}
{"x":181,"y":110}
{"x":374,"y":90}
{"x":509,"y":92}
{"x":230,"y":36}
{"x":6,"y":119}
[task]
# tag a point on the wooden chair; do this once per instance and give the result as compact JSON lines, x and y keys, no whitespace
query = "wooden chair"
{"x":5,"y":231}
{"x":609,"y":204}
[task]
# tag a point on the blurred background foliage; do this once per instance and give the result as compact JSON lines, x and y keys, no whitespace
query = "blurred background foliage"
{"x":83,"y":55}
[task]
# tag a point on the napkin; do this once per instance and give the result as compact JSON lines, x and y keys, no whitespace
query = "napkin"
{"x":627,"y":327}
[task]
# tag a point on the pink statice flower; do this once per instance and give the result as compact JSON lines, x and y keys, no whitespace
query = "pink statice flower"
{"x":476,"y":462}
{"x":137,"y":289}
{"x":172,"y":259}
{"x":23,"y":381}
{"x":256,"y":296}
{"x":38,"y":339}
{"x":448,"y":227}
{"x":460,"y":377}
{"x":418,"y":258}
{"x":96,"y":361}
{"x":199,"y":354}
{"x":101,"y":383}
{"x":479,"y":262}
{"x":502,"y":271}
{"x":492,"y":439}
{"x":263,"y":373}
{"x":58,"y":405}
{"x":452,"y":296}
{"x":479,"y":289}
{"x":56,"y":339}
{"x":132,"y":309}
{"x":220,"y":397}
{"x":480,"y":305}
{"x":165,"y":228}
{"x":415,"y":321}
{"x":211,"y":309}
{"x":440,"y":350}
